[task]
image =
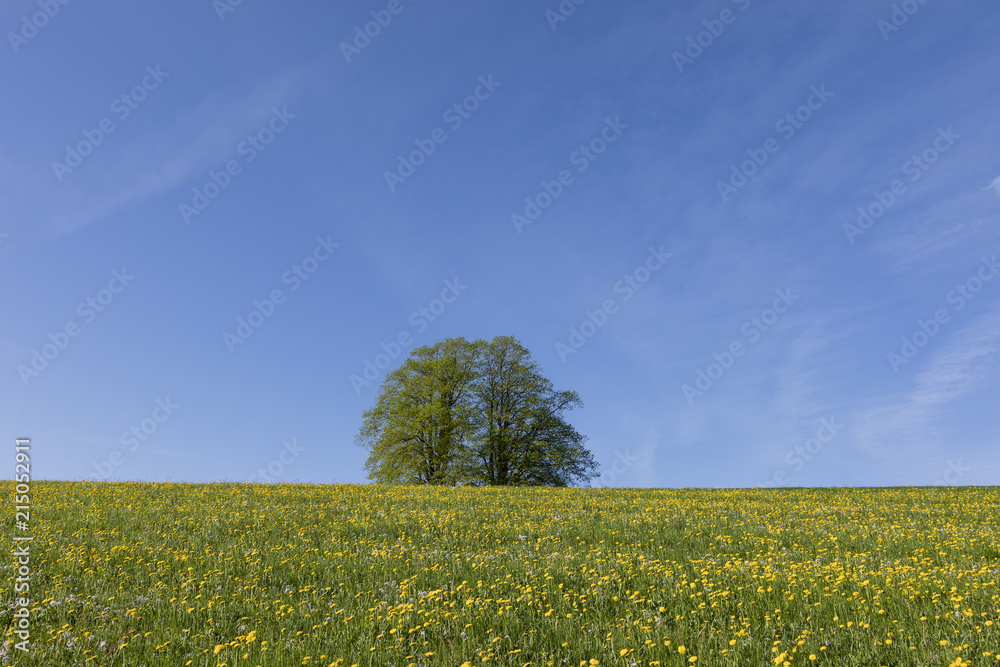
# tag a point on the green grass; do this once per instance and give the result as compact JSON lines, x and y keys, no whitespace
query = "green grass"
{"x":140,"y":575}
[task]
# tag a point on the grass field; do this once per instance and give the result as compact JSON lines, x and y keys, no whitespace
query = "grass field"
{"x":210,"y":575}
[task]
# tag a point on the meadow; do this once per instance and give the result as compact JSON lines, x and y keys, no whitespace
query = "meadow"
{"x":237,"y":575}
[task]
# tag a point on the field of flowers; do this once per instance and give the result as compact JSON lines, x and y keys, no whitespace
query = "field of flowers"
{"x":233,"y":575}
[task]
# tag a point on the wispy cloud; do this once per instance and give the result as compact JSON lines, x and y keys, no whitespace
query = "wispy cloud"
{"x":995,"y":184}
{"x":948,"y":233}
{"x":901,"y":429}
{"x":198,"y":140}
{"x":812,"y":365}
{"x":957,"y":369}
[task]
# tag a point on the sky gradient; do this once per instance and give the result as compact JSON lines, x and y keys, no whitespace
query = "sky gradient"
{"x":759,"y":239}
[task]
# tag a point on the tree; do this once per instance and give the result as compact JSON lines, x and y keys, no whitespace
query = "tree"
{"x":417,"y":428}
{"x":475,"y":413}
{"x":522,"y":438}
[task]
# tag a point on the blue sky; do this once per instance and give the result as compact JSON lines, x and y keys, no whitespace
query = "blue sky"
{"x":175,"y":164}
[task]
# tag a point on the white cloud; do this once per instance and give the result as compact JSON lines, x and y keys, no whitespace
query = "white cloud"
{"x":902,"y":429}
{"x":199,"y":139}
{"x":810,"y":363}
{"x":995,"y":184}
{"x":947,"y":233}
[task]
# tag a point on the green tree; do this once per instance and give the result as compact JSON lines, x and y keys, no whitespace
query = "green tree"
{"x":521,"y":436}
{"x":476,"y":413}
{"x":417,"y":430}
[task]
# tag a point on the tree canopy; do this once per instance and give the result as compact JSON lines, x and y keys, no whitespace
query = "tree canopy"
{"x":460,"y":412}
